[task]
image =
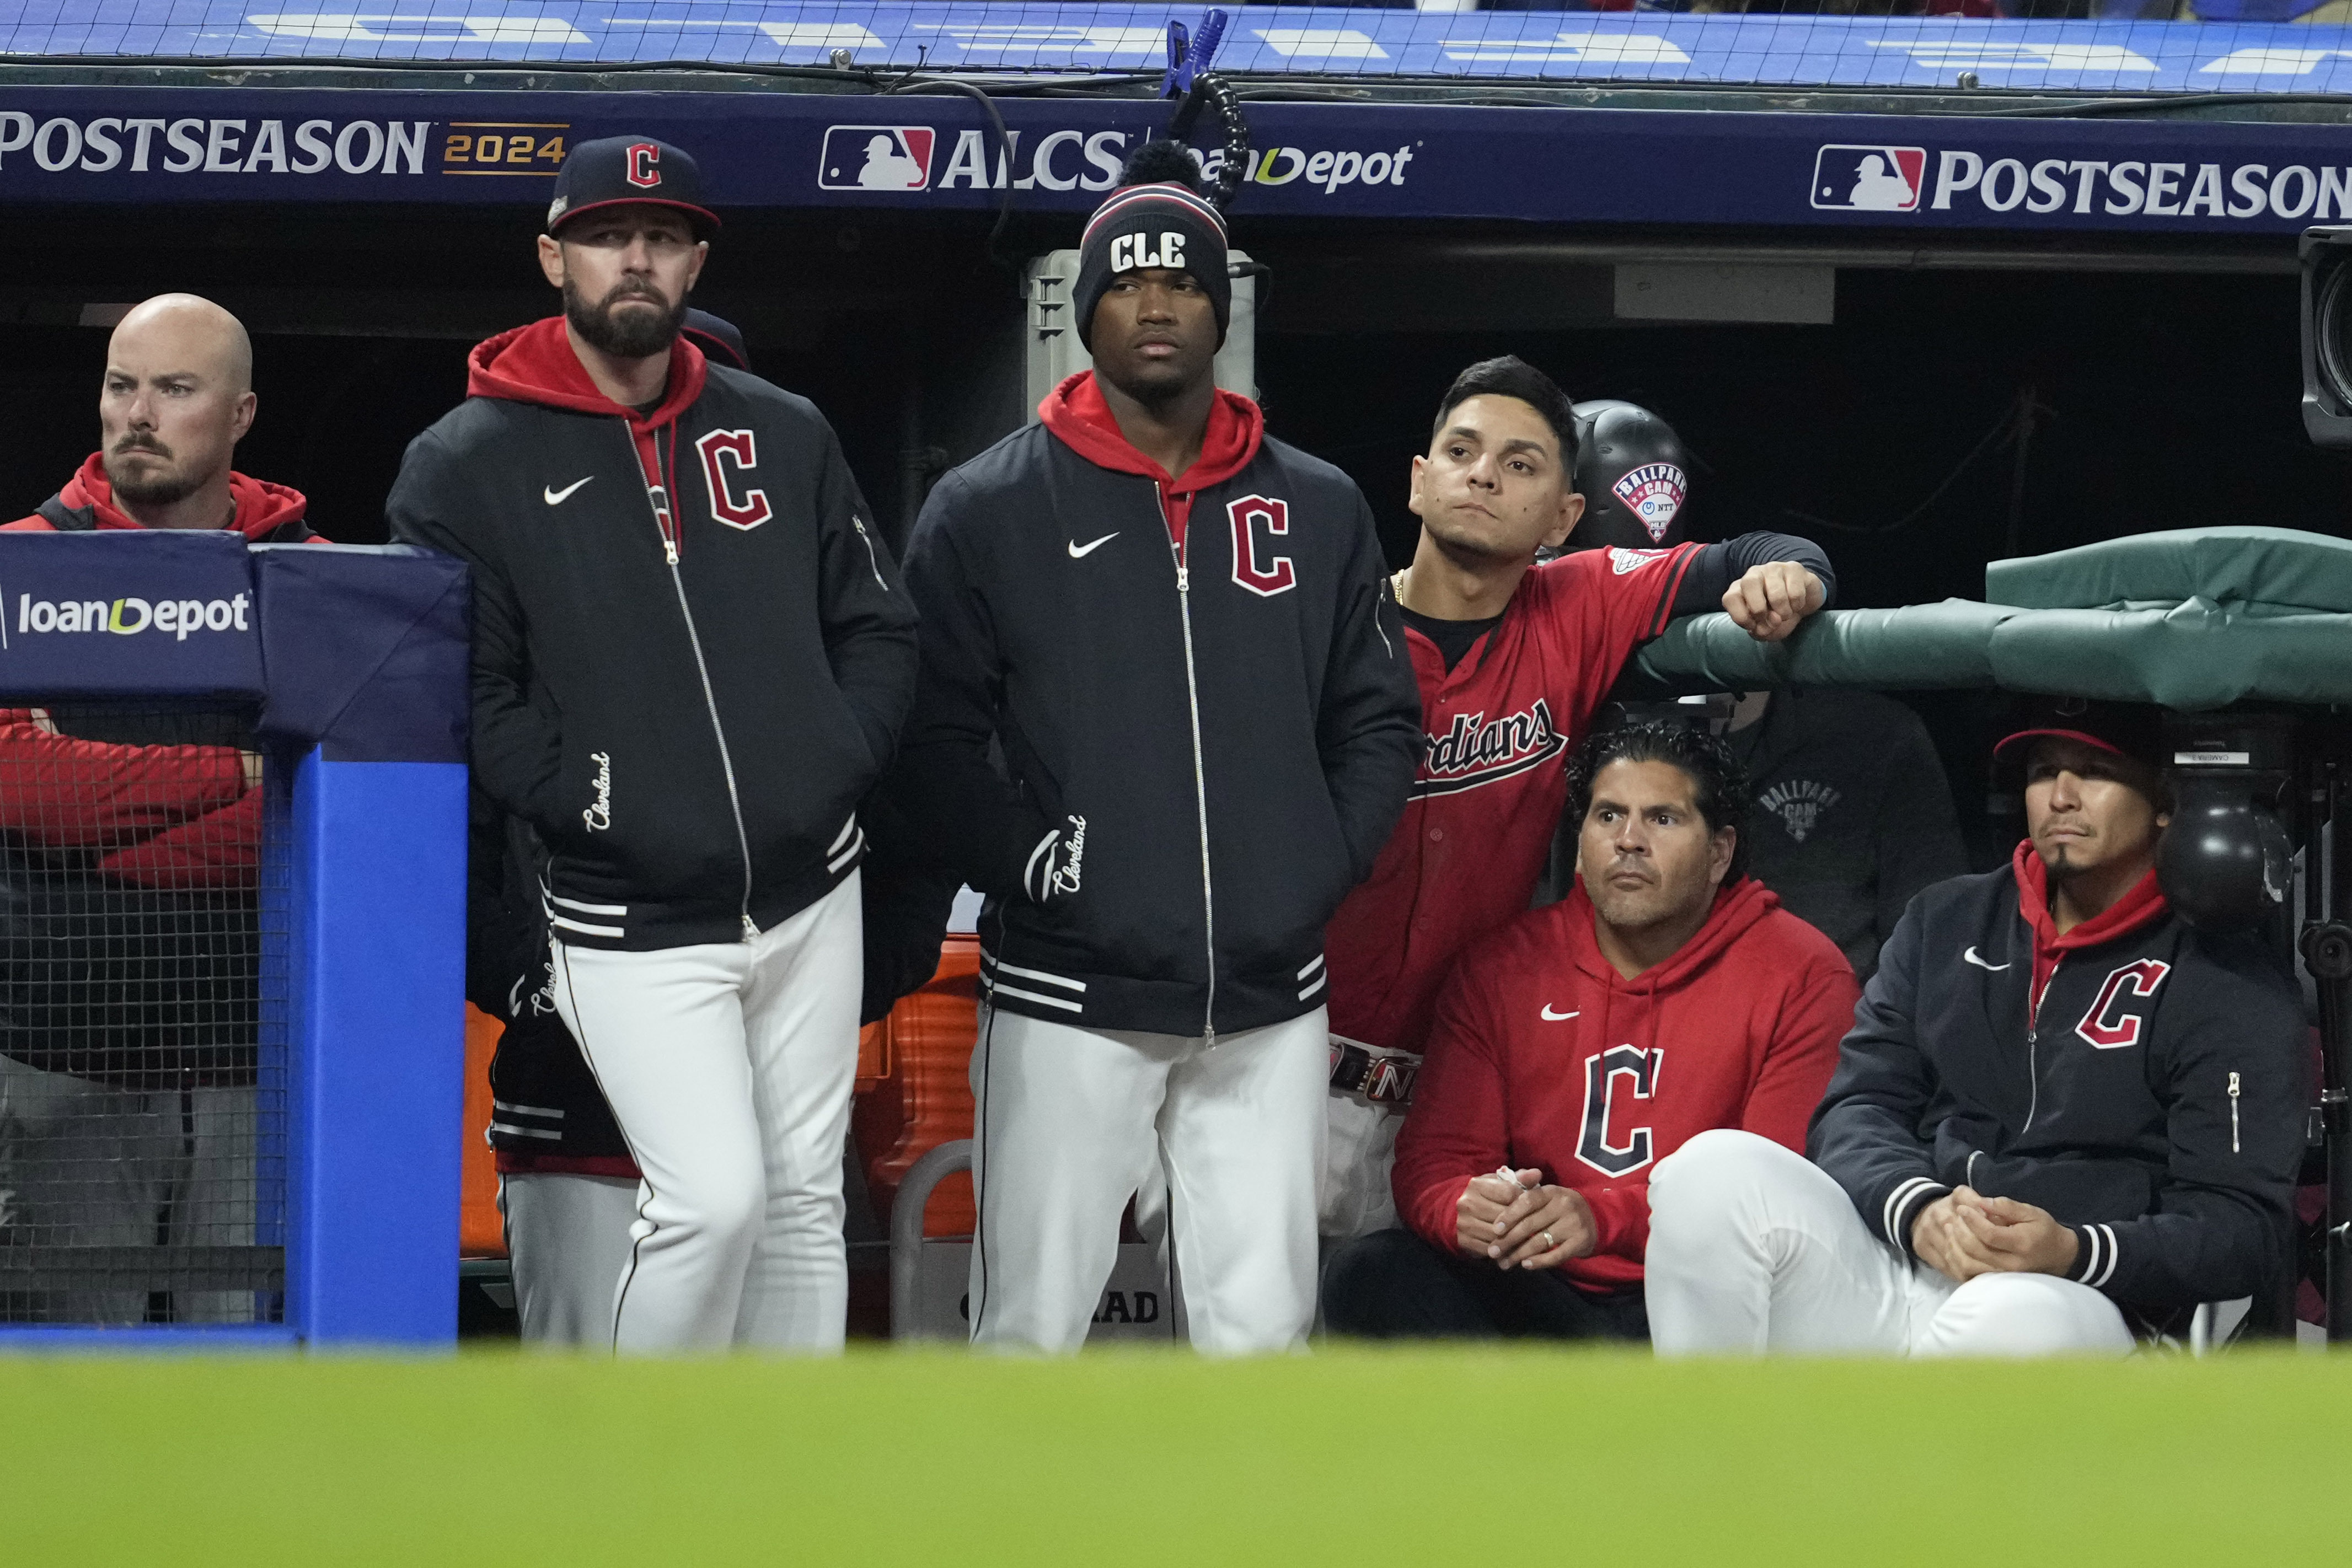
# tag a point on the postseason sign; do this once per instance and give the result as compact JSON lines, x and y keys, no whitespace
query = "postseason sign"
{"x":1386,"y":162}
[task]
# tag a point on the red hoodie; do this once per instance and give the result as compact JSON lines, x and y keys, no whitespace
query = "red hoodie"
{"x":2143,"y":905}
{"x":170,"y":817}
{"x":1075,"y":412}
{"x":262,"y":507}
{"x":537,"y":364}
{"x":1543,"y":1055}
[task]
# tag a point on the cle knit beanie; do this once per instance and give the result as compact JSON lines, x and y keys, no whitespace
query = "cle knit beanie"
{"x":1158,"y":217}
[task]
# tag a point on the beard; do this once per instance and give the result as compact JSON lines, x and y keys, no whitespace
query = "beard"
{"x":152,"y":485}
{"x":637,"y":336}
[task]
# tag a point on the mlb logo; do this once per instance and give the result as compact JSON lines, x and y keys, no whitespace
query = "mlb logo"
{"x":1869,"y":179}
{"x":875,"y":158}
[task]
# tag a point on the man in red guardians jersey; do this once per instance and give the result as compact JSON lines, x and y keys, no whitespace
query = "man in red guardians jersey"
{"x":1512,"y":659}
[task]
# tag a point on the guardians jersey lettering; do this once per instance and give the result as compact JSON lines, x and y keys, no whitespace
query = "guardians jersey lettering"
{"x":1497,"y":728}
{"x":1475,"y":752}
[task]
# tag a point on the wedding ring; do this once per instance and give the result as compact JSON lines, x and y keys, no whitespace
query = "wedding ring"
{"x":1549,"y":1243}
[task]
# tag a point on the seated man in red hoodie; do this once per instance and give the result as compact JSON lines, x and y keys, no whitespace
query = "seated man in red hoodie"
{"x":1574,"y":1049}
{"x":115,"y":1134}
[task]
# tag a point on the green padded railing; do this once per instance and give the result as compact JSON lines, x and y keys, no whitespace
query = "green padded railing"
{"x":2194,"y":619}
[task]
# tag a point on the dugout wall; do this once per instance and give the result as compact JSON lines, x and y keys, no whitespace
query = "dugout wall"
{"x":272,"y":1058}
{"x":2061,"y":307}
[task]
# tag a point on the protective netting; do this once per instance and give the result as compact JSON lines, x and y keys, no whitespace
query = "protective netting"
{"x":2106,"y":46}
{"x":143,"y":991}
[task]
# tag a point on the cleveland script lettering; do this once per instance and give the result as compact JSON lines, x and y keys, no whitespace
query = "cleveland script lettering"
{"x":599,"y":816}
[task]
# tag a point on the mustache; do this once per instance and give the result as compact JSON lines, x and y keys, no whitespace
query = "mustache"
{"x":633,"y":288}
{"x":137,"y":443}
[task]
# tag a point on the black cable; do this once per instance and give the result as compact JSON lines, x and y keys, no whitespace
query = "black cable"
{"x":913,"y":83}
{"x":1210,"y":90}
{"x":1002,"y":84}
{"x":2158,"y":104}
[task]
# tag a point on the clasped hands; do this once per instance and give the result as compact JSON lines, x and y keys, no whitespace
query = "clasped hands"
{"x":1964,"y":1234}
{"x":1514,"y":1220}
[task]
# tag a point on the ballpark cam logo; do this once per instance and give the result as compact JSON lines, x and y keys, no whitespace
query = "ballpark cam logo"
{"x":875,"y":158}
{"x":1798,"y":803}
{"x":1869,"y":179}
{"x":1654,"y":493}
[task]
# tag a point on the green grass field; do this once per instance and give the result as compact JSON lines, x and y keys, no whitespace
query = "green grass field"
{"x":1348,"y":1457}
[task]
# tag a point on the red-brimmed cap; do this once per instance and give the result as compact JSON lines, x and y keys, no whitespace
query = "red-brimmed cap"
{"x":2132,"y":730}
{"x":625,"y":169}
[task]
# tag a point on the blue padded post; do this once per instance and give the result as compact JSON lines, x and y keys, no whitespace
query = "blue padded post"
{"x":366,"y":655}
{"x":378,"y":1050}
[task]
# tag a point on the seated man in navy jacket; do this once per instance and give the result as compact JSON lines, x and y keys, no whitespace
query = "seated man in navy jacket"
{"x":2063,"y":1116}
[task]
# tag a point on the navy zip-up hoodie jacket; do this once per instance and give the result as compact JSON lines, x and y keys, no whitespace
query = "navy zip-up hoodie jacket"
{"x":2143,"y":1082}
{"x":1200,"y":683}
{"x":691,"y":651}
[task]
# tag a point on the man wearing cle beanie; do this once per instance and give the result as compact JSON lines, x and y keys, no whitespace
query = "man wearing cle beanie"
{"x":1177,"y":635}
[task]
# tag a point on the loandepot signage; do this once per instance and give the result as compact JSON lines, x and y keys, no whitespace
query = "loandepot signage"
{"x":175,"y":618}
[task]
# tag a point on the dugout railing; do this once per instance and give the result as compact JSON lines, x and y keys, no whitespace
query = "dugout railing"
{"x":281,"y":953}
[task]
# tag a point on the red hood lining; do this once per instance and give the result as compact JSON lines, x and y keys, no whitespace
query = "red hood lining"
{"x":1737,"y":907}
{"x":537,"y":364}
{"x":261,"y":506}
{"x":1078,"y":414}
{"x":2142,"y":907}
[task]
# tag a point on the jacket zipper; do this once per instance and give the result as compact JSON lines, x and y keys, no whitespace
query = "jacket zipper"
{"x":2032,"y":1036}
{"x":2233,"y":1113}
{"x":657,"y":498}
{"x":1183,"y":554}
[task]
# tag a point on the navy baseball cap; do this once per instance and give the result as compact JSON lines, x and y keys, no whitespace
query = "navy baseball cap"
{"x":2132,"y":730}
{"x":619,"y":169}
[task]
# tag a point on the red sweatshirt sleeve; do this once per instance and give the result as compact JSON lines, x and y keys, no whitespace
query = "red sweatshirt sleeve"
{"x":1459,"y":1126}
{"x":1802,"y":1053}
{"x":60,"y":792}
{"x":217,"y":850}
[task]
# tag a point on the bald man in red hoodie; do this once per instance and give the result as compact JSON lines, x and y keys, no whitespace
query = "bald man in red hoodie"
{"x":1572,"y":1050}
{"x":160,"y":819}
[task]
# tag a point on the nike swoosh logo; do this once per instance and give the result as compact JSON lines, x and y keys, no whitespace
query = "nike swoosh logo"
{"x":1971,"y":956}
{"x":556,"y":497}
{"x":1079,"y":551}
{"x":1555,"y":1018}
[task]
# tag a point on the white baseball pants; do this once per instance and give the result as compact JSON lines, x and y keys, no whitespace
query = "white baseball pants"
{"x":567,"y":1241}
{"x":1071,"y":1122}
{"x":728,"y":1067}
{"x":1756,"y":1249}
